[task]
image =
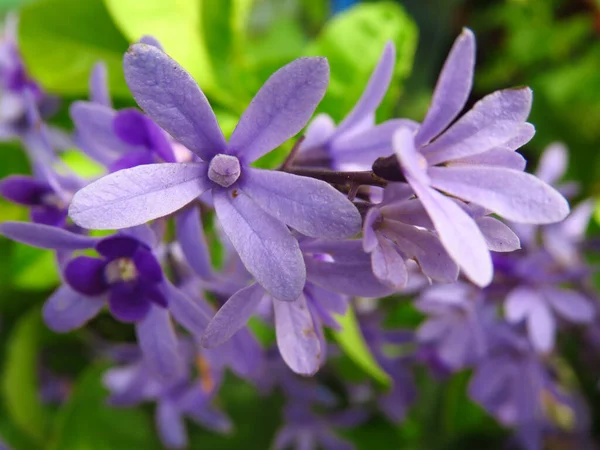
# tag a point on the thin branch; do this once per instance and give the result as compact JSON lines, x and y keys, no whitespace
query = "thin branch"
{"x":289,"y":160}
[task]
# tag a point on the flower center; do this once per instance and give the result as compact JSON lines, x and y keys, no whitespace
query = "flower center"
{"x":224,"y":170}
{"x":122,"y":269}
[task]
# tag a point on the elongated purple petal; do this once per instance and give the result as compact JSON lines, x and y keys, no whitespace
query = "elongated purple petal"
{"x":458,"y":233}
{"x":411,"y":161}
{"x":541,"y":327}
{"x":499,"y":237}
{"x":186,"y":311}
{"x":266,"y":247}
{"x":514,"y":195}
{"x":99,"y":85}
{"x":132,"y":159}
{"x":388,"y":265}
{"x":370,"y":240}
{"x":498,"y":157}
{"x":23,"y":189}
{"x":130,"y":126}
{"x":158,"y":342}
{"x":452,"y":89}
{"x":495,"y":120}
{"x":135,"y":196}
{"x":571,"y":305}
{"x":375,"y":90}
{"x":171,"y":97}
{"x":519,"y":303}
{"x":45,"y":236}
{"x":553,"y":163}
{"x":281,"y":108}
{"x":310,"y":206}
{"x":190,"y":234}
{"x":318,"y":133}
{"x":67,"y":309}
{"x":233,"y":315}
{"x":296,"y":337}
{"x":170,"y":425}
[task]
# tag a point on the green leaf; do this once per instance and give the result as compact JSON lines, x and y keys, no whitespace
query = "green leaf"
{"x":86,"y":422}
{"x":20,"y":384}
{"x":62,"y":39}
{"x":82,"y":164}
{"x":353,"y":42}
{"x":353,"y":343}
{"x":176,"y":24}
{"x":33,"y":268}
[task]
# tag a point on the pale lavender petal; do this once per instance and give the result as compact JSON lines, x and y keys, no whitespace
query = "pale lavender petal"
{"x":409,"y":212}
{"x":99,"y":85}
{"x":67,"y":309}
{"x":575,"y":226}
{"x":452,"y":89}
{"x":425,"y":247}
{"x":171,"y":97}
{"x":458,"y":233}
{"x":411,"y":161}
{"x":311,"y":206}
{"x":211,"y":418}
{"x":45,"y":236}
{"x":281,"y":108}
{"x":266,"y":247}
{"x":375,"y":90}
{"x":396,"y":192}
{"x":497,"y":157}
{"x":157,"y":339}
{"x":571,"y":305}
{"x":541,"y":327}
{"x":369,"y":235}
{"x":388,"y":265}
{"x":296,"y":337}
{"x":454,"y":348}
{"x":553,"y":163}
{"x":318,"y":132}
{"x":499,"y":237}
{"x":514,"y":195}
{"x":497,"y":119}
{"x":135,"y":196}
{"x":190,"y":234}
{"x":151,"y":40}
{"x":233,"y":315}
{"x":187,"y":312}
{"x":520,"y":303}
{"x":433,"y":329}
{"x":170,"y":425}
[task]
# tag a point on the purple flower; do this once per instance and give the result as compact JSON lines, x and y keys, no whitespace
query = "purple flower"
{"x":253,"y":206}
{"x":332,"y":268}
{"x":473,"y":159}
{"x":395,"y":231}
{"x":357,"y":141}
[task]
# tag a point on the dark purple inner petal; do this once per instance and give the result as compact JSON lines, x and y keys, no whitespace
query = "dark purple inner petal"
{"x":24,"y":190}
{"x":148,"y":267}
{"x":130,"y":126}
{"x":49,"y":215}
{"x":155,"y":295}
{"x":159,"y":143}
{"x":118,"y":246}
{"x":128,"y":302}
{"x":86,"y":275}
{"x":132,"y":159}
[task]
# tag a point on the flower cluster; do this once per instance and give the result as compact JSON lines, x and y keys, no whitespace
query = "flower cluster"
{"x":441,"y":209}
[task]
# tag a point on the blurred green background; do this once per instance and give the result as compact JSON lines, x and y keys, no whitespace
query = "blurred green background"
{"x":231,"y":47}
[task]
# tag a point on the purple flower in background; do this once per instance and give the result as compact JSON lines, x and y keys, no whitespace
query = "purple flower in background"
{"x":473,"y":159}
{"x":457,"y":325}
{"x":333,"y":268}
{"x":253,"y":206}
{"x":357,"y":141}
{"x":128,"y":277}
{"x":133,"y":383}
{"x":395,"y":231}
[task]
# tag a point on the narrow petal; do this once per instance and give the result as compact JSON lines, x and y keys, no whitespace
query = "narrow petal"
{"x":24,"y":190}
{"x":170,"y":425}
{"x":375,"y":90}
{"x":553,"y":163}
{"x":67,"y":309}
{"x":388,"y":265}
{"x":497,"y":157}
{"x":571,"y":305}
{"x":458,"y":233}
{"x":520,"y":304}
{"x":541,"y":327}
{"x":370,"y":241}
{"x":99,"y":85}
{"x":313,"y":207}
{"x":171,"y":97}
{"x":514,"y":195}
{"x":45,"y":236}
{"x":233,"y":315}
{"x":499,"y":237}
{"x":296,"y":337}
{"x":135,"y":196}
{"x":158,"y":342}
{"x":281,"y":108}
{"x":318,"y":133}
{"x":452,"y":89}
{"x":190,"y":234}
{"x":186,"y":311}
{"x":266,"y":247}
